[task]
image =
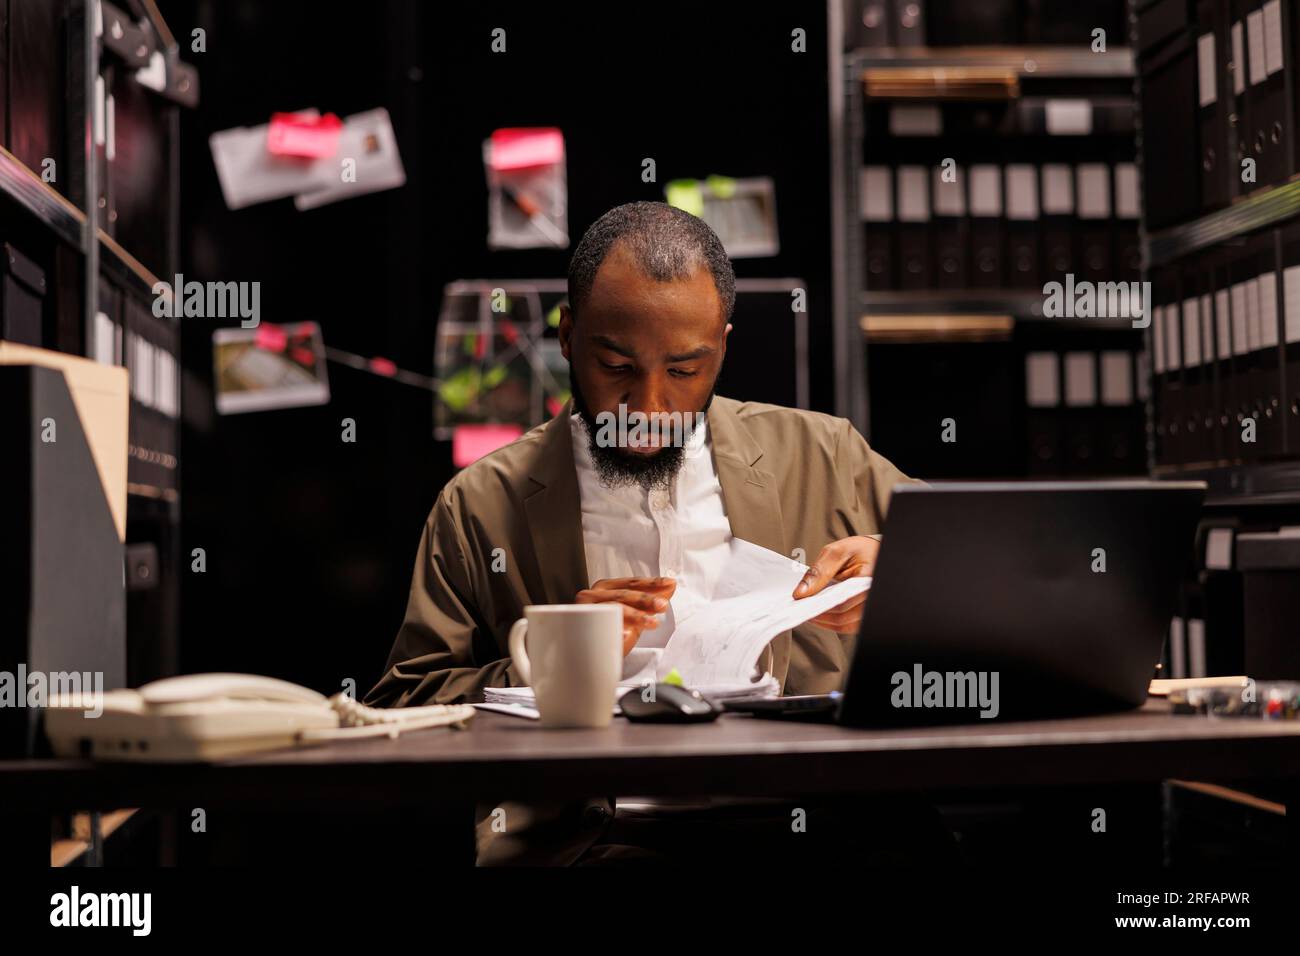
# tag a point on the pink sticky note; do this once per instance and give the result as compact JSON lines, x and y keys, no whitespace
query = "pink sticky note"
{"x":469,"y":443}
{"x":383,"y":366}
{"x":519,"y":148}
{"x":270,"y":337}
{"x":292,"y":134}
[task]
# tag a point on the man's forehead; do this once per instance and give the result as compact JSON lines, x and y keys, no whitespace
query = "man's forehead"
{"x":622,"y":284}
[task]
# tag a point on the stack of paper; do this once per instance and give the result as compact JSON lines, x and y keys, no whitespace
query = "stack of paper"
{"x":523,"y":696}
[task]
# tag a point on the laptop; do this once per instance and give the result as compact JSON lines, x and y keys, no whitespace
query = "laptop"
{"x":1013,"y":601}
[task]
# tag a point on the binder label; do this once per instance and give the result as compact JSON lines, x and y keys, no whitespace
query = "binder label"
{"x":1238,"y":61}
{"x":877,"y":194}
{"x":1255,"y":40}
{"x":1239,"y":338}
{"x":1221,"y":318}
{"x":1094,"y":191}
{"x":985,"y":191}
{"x":1068,"y":117}
{"x":1174,"y":359}
{"x":1252,"y":315}
{"x":1207,"y":330}
{"x":1116,"y":378}
{"x":1274,"y":59}
{"x":1042,"y":380}
{"x":104,"y":351}
{"x":915,"y":121}
{"x":1218,"y":549}
{"x":1268,"y":310}
{"x":1126,"y":190}
{"x":949,"y":196}
{"x":1080,"y":379}
{"x":1158,"y":340}
{"x":1058,"y":190}
{"x":1291,"y":291}
{"x":1022,"y":192}
{"x":1191,"y":332}
{"x":913,"y":194}
{"x":1205,"y":72}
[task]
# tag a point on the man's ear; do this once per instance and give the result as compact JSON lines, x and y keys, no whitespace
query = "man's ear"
{"x":566,"y":331}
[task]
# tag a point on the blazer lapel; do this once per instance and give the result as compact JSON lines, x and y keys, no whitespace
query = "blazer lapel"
{"x":749,"y":492}
{"x":554,"y":510}
{"x":753,"y":503}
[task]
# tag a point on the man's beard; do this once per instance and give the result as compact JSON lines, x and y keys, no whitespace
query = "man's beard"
{"x":618,"y":468}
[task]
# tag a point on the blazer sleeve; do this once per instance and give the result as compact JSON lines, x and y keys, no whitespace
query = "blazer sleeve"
{"x":873,"y":478}
{"x":445,"y":652}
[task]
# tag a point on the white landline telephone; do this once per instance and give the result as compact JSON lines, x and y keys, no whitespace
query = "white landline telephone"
{"x":211,"y":716}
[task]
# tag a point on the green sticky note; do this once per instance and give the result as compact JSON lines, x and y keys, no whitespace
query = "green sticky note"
{"x":686,"y":194}
{"x":553,"y":317}
{"x":674,"y":678}
{"x":495,"y":376}
{"x":724,"y":187}
{"x":460,"y":389}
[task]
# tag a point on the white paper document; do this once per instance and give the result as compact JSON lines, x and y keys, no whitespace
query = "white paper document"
{"x":720,"y":643}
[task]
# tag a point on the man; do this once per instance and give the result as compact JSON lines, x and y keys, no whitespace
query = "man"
{"x":644,"y":522}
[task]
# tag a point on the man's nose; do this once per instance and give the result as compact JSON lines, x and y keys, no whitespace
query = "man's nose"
{"x":649,"y":396}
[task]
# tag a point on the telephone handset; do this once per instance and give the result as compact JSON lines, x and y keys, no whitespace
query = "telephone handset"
{"x":194,"y":687}
{"x":211,"y":716}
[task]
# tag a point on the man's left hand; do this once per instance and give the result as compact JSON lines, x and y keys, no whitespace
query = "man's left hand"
{"x":845,"y":558}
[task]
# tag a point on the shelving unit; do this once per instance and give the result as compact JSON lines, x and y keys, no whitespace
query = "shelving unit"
{"x":1232,"y":484}
{"x":1023,"y":63}
{"x":1271,"y":483}
{"x":90,"y":274}
{"x":961,"y":339}
{"x":1269,"y":206}
{"x":924,"y":74}
{"x":42,"y":202}
{"x":66,"y":220}
{"x":1023,"y":305}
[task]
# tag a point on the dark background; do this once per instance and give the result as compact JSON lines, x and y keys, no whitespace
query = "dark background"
{"x":309,"y":540}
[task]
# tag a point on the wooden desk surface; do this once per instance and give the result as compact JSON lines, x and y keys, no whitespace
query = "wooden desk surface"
{"x":501,"y":756}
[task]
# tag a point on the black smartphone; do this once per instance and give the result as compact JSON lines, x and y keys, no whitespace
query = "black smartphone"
{"x":812,"y":707}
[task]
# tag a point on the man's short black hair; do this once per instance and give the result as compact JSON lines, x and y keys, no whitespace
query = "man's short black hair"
{"x":667,"y":243}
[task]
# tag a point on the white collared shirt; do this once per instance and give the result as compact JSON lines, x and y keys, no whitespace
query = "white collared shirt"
{"x":682,"y":533}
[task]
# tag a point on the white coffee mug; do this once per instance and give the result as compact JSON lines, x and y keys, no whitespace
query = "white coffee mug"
{"x":572,"y":657}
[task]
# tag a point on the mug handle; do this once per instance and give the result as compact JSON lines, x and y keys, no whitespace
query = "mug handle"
{"x":517,"y":652}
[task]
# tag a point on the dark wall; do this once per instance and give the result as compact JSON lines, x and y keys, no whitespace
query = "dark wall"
{"x":309,"y":540}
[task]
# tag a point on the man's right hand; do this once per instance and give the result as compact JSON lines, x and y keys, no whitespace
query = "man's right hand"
{"x":642,"y":600}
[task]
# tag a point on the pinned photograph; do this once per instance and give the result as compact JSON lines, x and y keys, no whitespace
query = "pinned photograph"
{"x":317,"y":159}
{"x":271,"y":366}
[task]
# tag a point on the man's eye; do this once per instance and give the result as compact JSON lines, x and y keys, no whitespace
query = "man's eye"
{"x":616,"y":368}
{"x":682,"y":372}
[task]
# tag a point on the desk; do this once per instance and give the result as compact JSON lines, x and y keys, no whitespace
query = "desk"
{"x":500,"y":756}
